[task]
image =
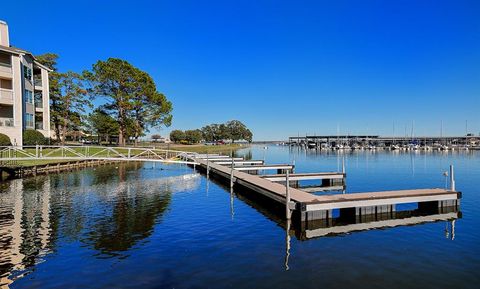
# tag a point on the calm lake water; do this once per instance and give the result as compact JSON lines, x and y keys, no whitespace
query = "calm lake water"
{"x":164,"y":226}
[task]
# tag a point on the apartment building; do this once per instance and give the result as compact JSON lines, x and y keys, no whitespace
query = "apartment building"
{"x":24,"y":93}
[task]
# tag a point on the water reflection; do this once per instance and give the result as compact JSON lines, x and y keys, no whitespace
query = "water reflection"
{"x":304,"y":231}
{"x":25,"y":224}
{"x":109,"y":209}
{"x":337,"y":226}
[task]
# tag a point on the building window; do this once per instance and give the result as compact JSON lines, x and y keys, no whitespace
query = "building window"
{"x":29,"y":120}
{"x":28,"y":96}
{"x":27,"y":72}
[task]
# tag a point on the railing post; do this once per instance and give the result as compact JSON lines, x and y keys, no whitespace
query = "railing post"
{"x":287,"y":195}
{"x":129,"y":152}
{"x":208,"y":167}
{"x":343,"y":164}
{"x":231,"y":171}
{"x":452,"y":179}
{"x":36,"y":151}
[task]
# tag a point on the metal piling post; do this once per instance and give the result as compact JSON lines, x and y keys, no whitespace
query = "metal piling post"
{"x":452,"y":179}
{"x":287,"y":195}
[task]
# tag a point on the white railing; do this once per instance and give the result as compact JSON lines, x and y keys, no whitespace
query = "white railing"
{"x":8,"y":122}
{"x":28,"y":153}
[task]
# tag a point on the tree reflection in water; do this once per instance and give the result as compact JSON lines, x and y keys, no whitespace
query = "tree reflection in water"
{"x":109,"y":208}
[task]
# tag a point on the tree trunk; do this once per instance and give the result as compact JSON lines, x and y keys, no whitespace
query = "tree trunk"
{"x":64,"y":130}
{"x":120,"y":137}
{"x":137,"y":125}
{"x":57,"y":131}
{"x":122,"y":127}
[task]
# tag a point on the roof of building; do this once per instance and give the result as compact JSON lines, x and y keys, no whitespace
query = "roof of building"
{"x":19,"y":51}
{"x":13,"y":50}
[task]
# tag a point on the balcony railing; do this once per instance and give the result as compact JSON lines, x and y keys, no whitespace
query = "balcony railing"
{"x":37,"y":82}
{"x":38,"y":103}
{"x":6,"y":122}
{"x":5,"y":67}
{"x":4,"y":64}
{"x":6,"y":95}
{"x":39,"y":125}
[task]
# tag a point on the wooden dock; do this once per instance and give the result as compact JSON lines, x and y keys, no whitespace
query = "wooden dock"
{"x":307,"y":206}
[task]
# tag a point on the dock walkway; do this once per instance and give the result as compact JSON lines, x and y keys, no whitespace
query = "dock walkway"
{"x":313,"y":207}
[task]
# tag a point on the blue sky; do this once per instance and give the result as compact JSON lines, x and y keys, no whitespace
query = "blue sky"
{"x":282,"y":67}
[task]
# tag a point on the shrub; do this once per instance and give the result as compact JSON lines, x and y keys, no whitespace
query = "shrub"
{"x":33,"y":137}
{"x":4,"y":140}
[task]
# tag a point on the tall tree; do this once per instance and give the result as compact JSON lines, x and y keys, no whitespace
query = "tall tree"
{"x":156,"y":137}
{"x":132,"y":95}
{"x":209,"y":132}
{"x":50,"y":61}
{"x":238,"y":131}
{"x":177,"y":135}
{"x":73,"y":100}
{"x":101,"y":123}
{"x":149,"y":107}
{"x":193,"y":136}
{"x":215,"y":132}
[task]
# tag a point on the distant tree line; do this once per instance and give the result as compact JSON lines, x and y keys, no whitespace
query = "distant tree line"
{"x":131,"y":105}
{"x":232,"y":130}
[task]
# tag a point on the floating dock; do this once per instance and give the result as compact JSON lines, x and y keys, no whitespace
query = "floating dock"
{"x":307,"y":206}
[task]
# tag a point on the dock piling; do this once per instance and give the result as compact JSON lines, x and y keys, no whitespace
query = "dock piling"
{"x":287,"y":195}
{"x":452,"y":179}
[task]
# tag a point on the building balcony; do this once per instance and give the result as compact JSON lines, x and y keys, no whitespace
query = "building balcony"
{"x":38,"y":103}
{"x":5,"y":70}
{"x":6,"y":122}
{"x":6,"y":96}
{"x":37,"y":82}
